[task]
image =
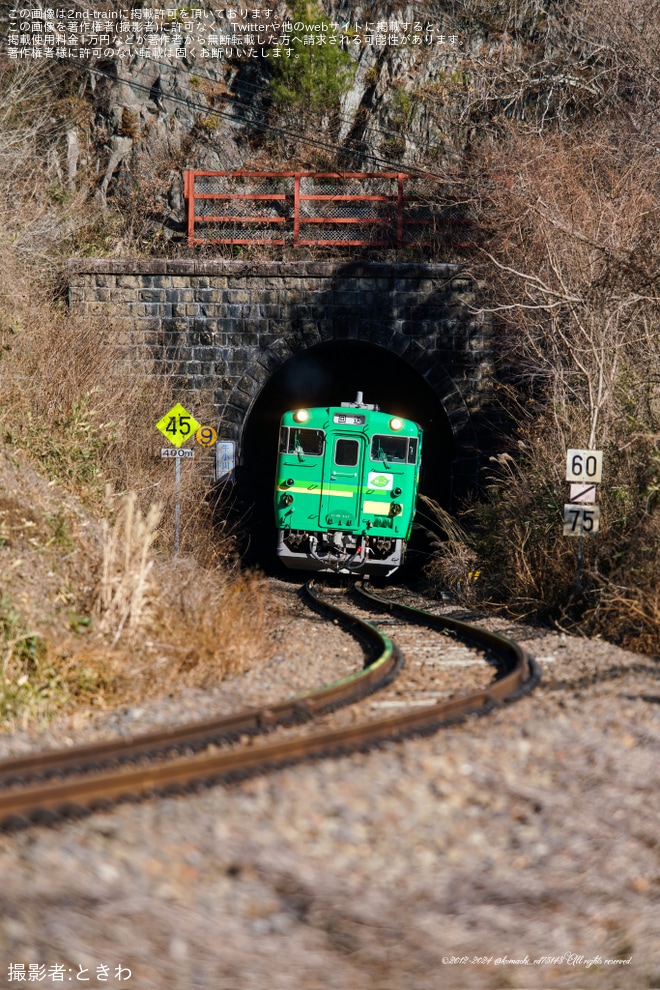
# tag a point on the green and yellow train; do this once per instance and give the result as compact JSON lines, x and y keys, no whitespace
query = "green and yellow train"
{"x":346,"y":488}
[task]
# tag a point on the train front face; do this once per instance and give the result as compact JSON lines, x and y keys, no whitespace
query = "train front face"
{"x":346,"y":489}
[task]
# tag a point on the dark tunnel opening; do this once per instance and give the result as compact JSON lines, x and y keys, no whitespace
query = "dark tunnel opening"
{"x":329,"y":374}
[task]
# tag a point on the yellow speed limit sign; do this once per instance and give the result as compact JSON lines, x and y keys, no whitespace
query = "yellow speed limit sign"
{"x":206,"y":436}
{"x":177,"y":425}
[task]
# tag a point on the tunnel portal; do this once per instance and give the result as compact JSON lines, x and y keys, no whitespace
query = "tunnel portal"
{"x":256,"y":337}
{"x":329,"y":374}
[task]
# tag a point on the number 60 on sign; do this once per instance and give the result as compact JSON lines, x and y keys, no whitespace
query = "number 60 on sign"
{"x":584,"y":465}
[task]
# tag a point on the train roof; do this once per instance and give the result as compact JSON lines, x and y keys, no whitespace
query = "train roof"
{"x":348,"y":414}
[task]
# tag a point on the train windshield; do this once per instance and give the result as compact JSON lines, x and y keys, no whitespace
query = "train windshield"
{"x":401,"y":450}
{"x":295,"y":441}
{"x":347,"y":452}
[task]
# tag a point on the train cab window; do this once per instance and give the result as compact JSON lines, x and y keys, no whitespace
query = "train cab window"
{"x":347,"y":452}
{"x":295,"y":441}
{"x":389,"y":448}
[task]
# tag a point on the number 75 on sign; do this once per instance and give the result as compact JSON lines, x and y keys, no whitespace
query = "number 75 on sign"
{"x":581,"y":520}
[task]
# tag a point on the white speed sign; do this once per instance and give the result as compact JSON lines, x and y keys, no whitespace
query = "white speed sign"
{"x":581,"y":520}
{"x":584,"y":465}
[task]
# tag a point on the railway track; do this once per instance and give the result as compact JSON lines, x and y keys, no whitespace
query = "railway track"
{"x":46,"y":787}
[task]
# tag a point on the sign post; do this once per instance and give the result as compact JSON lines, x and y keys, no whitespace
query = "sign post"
{"x":177,"y":426}
{"x":177,"y":506}
{"x":584,"y":469}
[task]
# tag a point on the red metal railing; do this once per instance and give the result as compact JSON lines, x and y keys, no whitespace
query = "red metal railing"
{"x":365,"y":209}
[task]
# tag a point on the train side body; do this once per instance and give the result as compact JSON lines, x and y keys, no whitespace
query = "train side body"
{"x":346,"y":488}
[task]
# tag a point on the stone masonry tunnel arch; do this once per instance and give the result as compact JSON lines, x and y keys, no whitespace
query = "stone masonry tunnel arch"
{"x":333,"y":372}
{"x":259,"y":336}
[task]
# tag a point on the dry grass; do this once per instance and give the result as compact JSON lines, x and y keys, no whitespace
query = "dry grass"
{"x":93,"y":615}
{"x":77,"y":410}
{"x":570,"y":260}
{"x":214,"y":627}
{"x":453,"y":565}
{"x":93,"y":609}
{"x":200,"y":624}
{"x":125,"y":593}
{"x":80,"y":411}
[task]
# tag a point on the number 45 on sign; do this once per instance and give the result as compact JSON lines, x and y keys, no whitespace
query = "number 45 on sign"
{"x":177,"y":425}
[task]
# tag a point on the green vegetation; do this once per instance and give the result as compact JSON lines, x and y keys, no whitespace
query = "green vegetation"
{"x":25,"y":681}
{"x":318,"y":74}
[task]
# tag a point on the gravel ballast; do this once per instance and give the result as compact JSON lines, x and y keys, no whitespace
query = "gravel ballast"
{"x":519,"y":850}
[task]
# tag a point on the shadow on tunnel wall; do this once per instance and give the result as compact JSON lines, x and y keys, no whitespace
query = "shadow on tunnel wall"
{"x":334,"y":352}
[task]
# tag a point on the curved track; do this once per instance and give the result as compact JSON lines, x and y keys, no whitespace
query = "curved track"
{"x":97,"y":776}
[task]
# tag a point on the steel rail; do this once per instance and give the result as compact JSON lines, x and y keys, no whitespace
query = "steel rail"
{"x":382,"y":662}
{"x":51,"y":801}
{"x":517,"y":668}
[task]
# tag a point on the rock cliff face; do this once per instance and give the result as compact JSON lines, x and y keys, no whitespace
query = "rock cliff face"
{"x":155,"y":114}
{"x":425,"y":84}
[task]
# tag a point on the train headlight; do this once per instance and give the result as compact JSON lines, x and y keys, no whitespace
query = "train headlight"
{"x":287,"y":499}
{"x":396,"y":423}
{"x":396,"y":509}
{"x":301,"y":415}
